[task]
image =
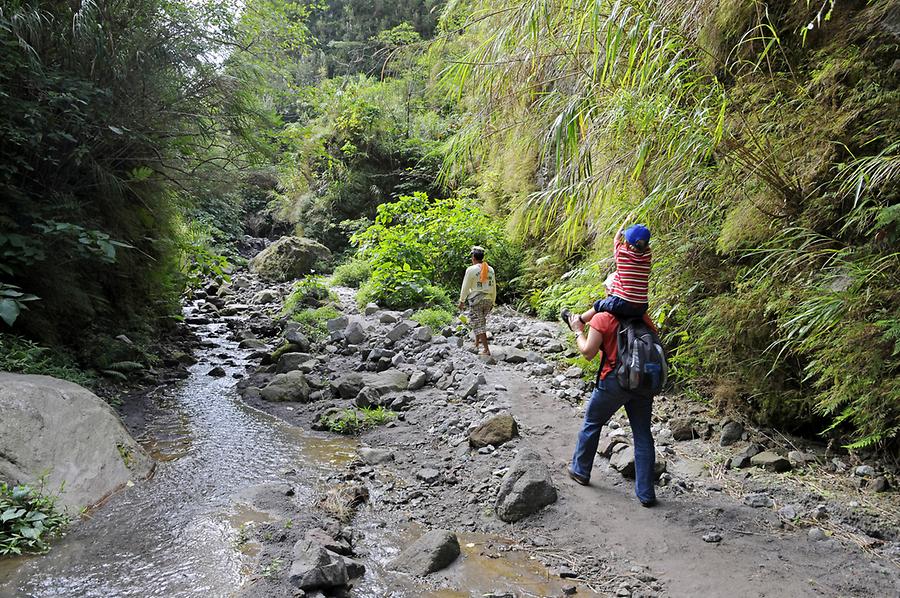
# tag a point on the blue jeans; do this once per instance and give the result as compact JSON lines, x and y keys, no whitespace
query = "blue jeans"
{"x":619,"y":307}
{"x":606,"y":400}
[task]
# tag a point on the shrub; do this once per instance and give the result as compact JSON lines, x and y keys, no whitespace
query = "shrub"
{"x":313,"y":321}
{"x":28,"y":517}
{"x":310,"y":292}
{"x":26,"y":357}
{"x":418,"y":245}
{"x":434,"y":318}
{"x":353,"y":421}
{"x":352,"y":274}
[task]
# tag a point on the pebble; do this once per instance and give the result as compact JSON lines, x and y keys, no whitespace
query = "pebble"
{"x":712,"y":537}
{"x":864,"y":471}
{"x":758,"y":500}
{"x":816,"y":534}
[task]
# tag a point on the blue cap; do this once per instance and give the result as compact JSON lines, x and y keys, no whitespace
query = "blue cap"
{"x":637,"y":235}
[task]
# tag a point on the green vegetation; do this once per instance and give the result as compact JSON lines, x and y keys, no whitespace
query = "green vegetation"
{"x":352,"y":274}
{"x":354,"y":421}
{"x":23,"y":356}
{"x":419,"y":248}
{"x":28,"y":519}
{"x":313,"y":322}
{"x":310,"y":292}
{"x":434,"y":318}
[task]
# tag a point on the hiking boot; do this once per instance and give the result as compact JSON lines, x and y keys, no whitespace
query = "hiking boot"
{"x":578,"y":479}
{"x":648,"y":503}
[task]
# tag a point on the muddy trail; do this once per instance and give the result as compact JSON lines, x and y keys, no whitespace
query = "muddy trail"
{"x":250,"y":483}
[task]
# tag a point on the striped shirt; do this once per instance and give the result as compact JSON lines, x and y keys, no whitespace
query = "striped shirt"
{"x":632,"y":274}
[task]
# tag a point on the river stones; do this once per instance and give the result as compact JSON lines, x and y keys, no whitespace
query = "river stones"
{"x":526,"y":488}
{"x":55,"y":426}
{"x":291,"y":386}
{"x":432,"y":552}
{"x":288,"y":258}
{"x":495,"y":431}
{"x":731,"y":433}
{"x":771,"y":461}
{"x":316,"y":567}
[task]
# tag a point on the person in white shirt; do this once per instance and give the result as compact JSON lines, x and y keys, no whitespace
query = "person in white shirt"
{"x":479,"y":291}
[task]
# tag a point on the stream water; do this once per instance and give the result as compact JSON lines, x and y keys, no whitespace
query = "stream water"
{"x":174,"y":534}
{"x":177,"y":533}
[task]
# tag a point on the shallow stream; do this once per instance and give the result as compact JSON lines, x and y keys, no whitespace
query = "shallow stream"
{"x":178,"y":533}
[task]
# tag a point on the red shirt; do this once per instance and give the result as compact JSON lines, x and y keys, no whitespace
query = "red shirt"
{"x":632,"y":274}
{"x":606,"y":324}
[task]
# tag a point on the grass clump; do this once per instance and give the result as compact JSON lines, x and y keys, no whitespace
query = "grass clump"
{"x":28,"y":518}
{"x":309,"y":292}
{"x":435,"y":318}
{"x":352,"y":274}
{"x":314,"y":322}
{"x":353,"y":421}
{"x":23,"y":356}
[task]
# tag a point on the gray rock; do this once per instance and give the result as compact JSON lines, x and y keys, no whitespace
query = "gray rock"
{"x":374,"y":456}
{"x":758,"y":500}
{"x":288,"y":258}
{"x":623,"y":462}
{"x":526,"y":488}
{"x":265,"y":296}
{"x":423,"y":334}
{"x":53,"y":427}
{"x":293,"y":335}
{"x":399,"y":331}
{"x":216,"y":372}
{"x":432,"y":552}
{"x":469,"y":388}
{"x":388,"y":318}
{"x":428,"y":475}
{"x":417,"y":380}
{"x":348,"y":385}
{"x":315,"y":567}
{"x":864,"y":471}
{"x":543,"y":369}
{"x":731,"y":433}
{"x":322,"y":538}
{"x":367,"y":397}
{"x":879,"y":484}
{"x":289,"y":362}
{"x":495,"y":431}
{"x":355,"y":569}
{"x":251,"y":343}
{"x":816,"y":534}
{"x":771,"y":461}
{"x":371,"y":309}
{"x":607,"y":444}
{"x":387,"y":381}
{"x":354,"y":333}
{"x":337,"y":324}
{"x":799,"y":459}
{"x":712,"y":537}
{"x":682,"y":428}
{"x":788,"y":512}
{"x":291,"y":386}
{"x":513,"y":355}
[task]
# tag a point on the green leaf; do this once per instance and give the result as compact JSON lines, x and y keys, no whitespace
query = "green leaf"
{"x":9,"y":311}
{"x":11,"y":514}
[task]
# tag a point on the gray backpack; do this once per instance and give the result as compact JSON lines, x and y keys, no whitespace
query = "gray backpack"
{"x":641,"y":360}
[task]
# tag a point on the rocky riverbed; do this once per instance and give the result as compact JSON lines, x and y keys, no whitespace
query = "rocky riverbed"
{"x":478,"y":447}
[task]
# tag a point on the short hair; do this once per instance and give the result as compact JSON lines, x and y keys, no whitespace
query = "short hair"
{"x":478,"y":252}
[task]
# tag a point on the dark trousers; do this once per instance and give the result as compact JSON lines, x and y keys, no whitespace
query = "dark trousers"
{"x":620,"y":308}
{"x":606,"y":400}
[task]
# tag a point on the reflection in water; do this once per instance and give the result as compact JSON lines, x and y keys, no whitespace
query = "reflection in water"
{"x":173,"y":535}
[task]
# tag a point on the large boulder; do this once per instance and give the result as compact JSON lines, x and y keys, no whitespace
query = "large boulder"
{"x":291,"y":386}
{"x":288,"y":258}
{"x":494,"y":431}
{"x":56,"y":427}
{"x":526,"y":488}
{"x":314,"y":566}
{"x":432,"y":552}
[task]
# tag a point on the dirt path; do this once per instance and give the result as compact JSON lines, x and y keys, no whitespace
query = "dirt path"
{"x":598,"y":536}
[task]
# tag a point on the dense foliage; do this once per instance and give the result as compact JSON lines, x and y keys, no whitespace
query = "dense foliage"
{"x":760,"y":145}
{"x":121,"y":122}
{"x":419,"y":248}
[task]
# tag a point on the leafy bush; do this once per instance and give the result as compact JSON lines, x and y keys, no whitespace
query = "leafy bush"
{"x":313,"y":321}
{"x":434,"y":318}
{"x":311,"y":291}
{"x":28,"y":518}
{"x":23,"y":356}
{"x":353,"y":421}
{"x":352,"y":274}
{"x":418,"y":244}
